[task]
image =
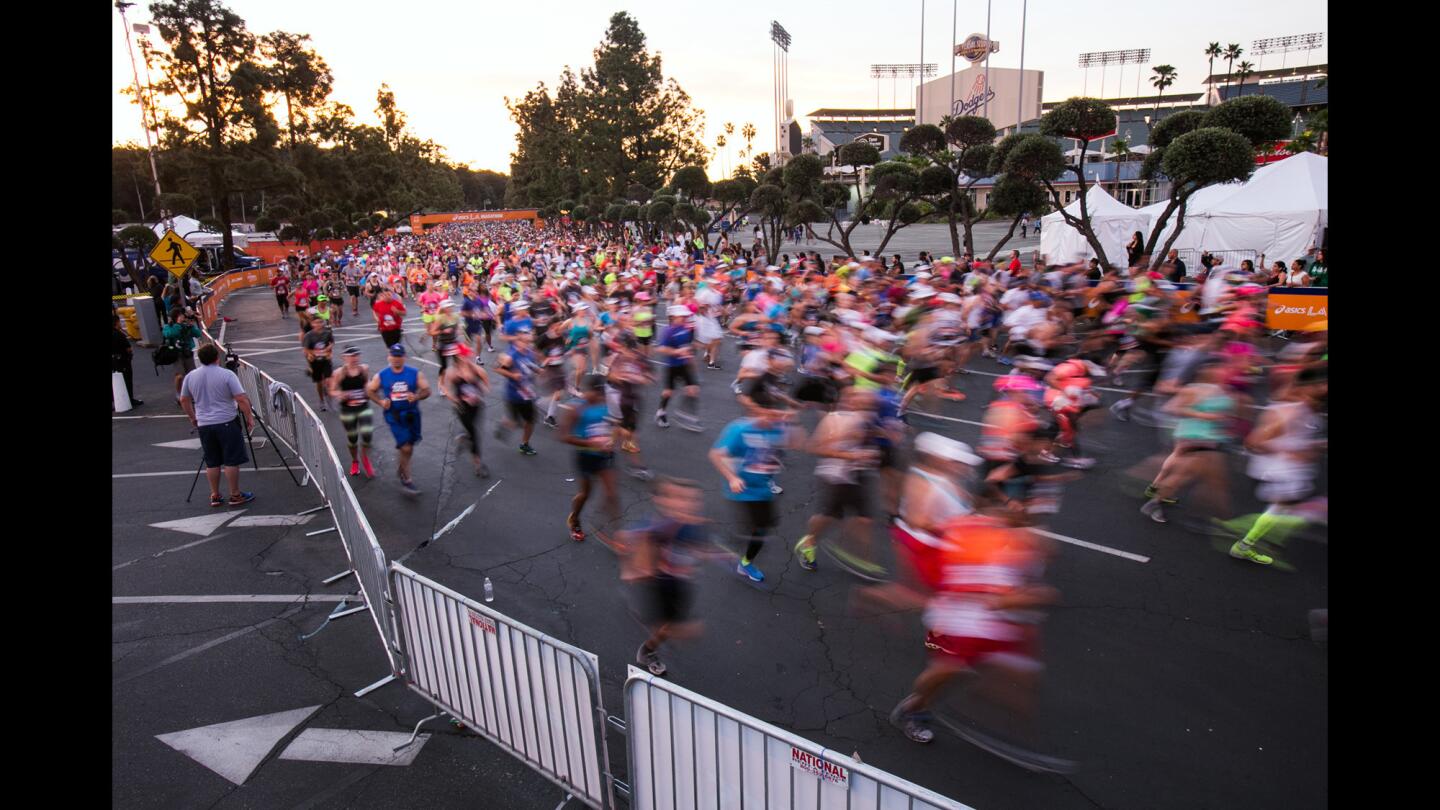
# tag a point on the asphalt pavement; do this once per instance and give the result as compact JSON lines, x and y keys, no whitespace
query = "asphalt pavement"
{"x":1176,"y":676}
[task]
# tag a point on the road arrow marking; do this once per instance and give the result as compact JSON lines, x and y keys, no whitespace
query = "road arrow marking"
{"x":183,"y":444}
{"x":235,"y":749}
{"x":354,"y":746}
{"x":202,"y":525}
{"x":272,"y":520}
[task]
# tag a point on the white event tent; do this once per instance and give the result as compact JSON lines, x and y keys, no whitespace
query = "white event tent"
{"x":1113,"y":221}
{"x":1281,"y":212}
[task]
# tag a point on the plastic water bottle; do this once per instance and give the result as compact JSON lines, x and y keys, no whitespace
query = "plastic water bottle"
{"x":489,"y":591}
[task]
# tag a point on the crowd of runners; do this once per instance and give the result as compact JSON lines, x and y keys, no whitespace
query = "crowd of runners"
{"x":836,"y":359}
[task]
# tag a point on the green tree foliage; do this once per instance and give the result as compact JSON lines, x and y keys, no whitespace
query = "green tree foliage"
{"x":1197,"y":159}
{"x":1082,"y":120}
{"x":1012,"y":197}
{"x":210,"y":66}
{"x":1253,"y":122}
{"x":227,"y":145}
{"x":620,"y":123}
{"x":1261,"y":119}
{"x":692,"y":182}
{"x":299,"y":76}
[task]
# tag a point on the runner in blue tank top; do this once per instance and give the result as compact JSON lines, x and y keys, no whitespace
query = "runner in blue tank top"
{"x":398,"y":389}
{"x":588,"y":427}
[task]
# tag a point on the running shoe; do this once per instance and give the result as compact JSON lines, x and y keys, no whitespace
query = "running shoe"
{"x":241,"y":499}
{"x":527,"y":450}
{"x":715,"y":366}
{"x":691,"y":424}
{"x":1151,"y":492}
{"x":550,"y":422}
{"x":1005,"y":361}
{"x":409,"y":487}
{"x":630,"y":447}
{"x":1152,"y":510}
{"x":1079,"y":463}
{"x":661,"y":419}
{"x":650,"y":660}
{"x":912,"y":723}
{"x":369,"y":471}
{"x":749,"y":570}
{"x":576,"y":533}
{"x":482,"y":471}
{"x":806,"y":554}
{"x":952,"y":395}
{"x":776,"y":489}
{"x":216,"y":500}
{"x":1048,"y":457}
{"x":642,"y":474}
{"x":1244,"y":551}
{"x":354,"y":468}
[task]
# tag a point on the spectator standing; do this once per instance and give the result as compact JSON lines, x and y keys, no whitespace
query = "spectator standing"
{"x":180,"y":334}
{"x":1319,"y":272}
{"x":121,"y":353}
{"x":214,"y":400}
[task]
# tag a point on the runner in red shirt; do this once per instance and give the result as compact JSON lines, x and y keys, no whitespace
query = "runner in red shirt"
{"x":389,"y":317}
{"x":281,"y":285}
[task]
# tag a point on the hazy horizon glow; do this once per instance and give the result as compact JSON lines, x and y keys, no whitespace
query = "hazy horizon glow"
{"x":451,"y":64}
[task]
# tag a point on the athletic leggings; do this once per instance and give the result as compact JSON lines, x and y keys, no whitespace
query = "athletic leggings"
{"x":358,"y":424}
{"x":470,"y":420}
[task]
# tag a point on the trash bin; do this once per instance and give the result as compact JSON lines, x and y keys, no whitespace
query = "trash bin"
{"x":149,"y":322}
{"x":127,"y":320}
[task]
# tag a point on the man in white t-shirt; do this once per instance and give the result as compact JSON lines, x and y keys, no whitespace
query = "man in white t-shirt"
{"x":214,"y":400}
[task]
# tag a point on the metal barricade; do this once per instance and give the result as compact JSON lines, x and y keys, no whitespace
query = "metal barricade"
{"x":687,"y":751}
{"x":367,"y":559}
{"x":535,"y":696}
{"x":1226,"y":258}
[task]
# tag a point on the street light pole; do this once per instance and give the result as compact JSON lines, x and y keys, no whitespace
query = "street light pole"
{"x":988,"y":47}
{"x":1020,"y":105}
{"x":954,"y":33}
{"x":121,"y":5}
{"x":920,"y":89}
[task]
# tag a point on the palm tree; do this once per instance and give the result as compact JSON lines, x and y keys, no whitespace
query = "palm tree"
{"x":1120,"y":148}
{"x":1245,"y":71}
{"x":720,"y":153}
{"x":1232,"y":52}
{"x":1163,"y":78}
{"x":1211,"y":51}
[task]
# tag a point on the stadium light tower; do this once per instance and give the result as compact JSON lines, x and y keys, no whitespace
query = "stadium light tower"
{"x":1284,"y":45}
{"x":782,"y":40}
{"x":1132,"y":56}
{"x":895,"y":71}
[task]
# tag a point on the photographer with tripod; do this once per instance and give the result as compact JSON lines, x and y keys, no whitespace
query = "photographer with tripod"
{"x":213,"y":399}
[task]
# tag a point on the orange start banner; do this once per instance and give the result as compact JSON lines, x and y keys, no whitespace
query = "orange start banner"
{"x":1299,"y":309}
{"x":224,"y":285}
{"x":419,"y":222}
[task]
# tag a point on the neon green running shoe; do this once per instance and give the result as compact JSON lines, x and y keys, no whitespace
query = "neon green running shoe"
{"x":1242,"y":551}
{"x":805,"y":550}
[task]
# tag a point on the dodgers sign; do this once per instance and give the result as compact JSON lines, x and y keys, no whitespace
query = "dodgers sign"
{"x":979,"y":95}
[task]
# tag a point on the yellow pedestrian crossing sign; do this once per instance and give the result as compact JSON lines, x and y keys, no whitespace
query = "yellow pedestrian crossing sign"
{"x":174,"y":254}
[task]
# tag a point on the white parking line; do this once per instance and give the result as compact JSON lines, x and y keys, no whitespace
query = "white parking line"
{"x":948,"y":418}
{"x":1094,"y":546}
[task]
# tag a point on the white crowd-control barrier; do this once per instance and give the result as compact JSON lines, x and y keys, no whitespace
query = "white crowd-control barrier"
{"x":290,"y":420}
{"x":535,"y":696}
{"x":687,"y":751}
